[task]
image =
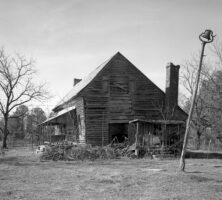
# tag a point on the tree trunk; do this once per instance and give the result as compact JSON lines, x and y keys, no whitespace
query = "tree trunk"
{"x":4,"y":143}
{"x":5,"y":133}
{"x":198,"y":139}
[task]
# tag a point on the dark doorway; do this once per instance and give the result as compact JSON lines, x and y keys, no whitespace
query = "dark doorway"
{"x":118,"y":131}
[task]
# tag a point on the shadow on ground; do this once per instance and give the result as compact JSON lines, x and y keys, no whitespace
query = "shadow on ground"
{"x":17,"y":161}
{"x":203,"y":155}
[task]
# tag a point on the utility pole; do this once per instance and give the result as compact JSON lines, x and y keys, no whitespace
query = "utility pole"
{"x":206,"y":37}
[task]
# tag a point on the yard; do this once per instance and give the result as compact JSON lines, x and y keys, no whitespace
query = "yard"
{"x":22,"y":176}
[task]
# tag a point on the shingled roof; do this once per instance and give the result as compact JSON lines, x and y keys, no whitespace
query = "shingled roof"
{"x":83,"y":83}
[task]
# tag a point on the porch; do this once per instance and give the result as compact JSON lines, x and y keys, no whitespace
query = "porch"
{"x":63,"y":125}
{"x":156,"y":135}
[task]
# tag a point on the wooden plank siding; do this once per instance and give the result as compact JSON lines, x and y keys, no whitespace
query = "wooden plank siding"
{"x":111,"y":96}
{"x":115,"y":93}
{"x":118,"y":94}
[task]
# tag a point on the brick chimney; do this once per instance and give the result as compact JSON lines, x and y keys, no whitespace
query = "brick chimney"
{"x":172,"y":80}
{"x":76,"y":80}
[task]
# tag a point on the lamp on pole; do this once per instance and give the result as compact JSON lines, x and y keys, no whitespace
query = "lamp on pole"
{"x":206,"y":37}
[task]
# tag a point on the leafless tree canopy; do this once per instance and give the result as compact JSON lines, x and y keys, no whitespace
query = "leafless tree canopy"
{"x":207,"y":108}
{"x":16,"y":86}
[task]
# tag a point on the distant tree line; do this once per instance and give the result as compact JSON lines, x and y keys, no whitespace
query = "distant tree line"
{"x":23,"y":124}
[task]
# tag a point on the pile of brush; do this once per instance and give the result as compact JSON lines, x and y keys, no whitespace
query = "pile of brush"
{"x":87,"y":152}
{"x":121,"y":149}
{"x":78,"y":152}
{"x":56,"y":152}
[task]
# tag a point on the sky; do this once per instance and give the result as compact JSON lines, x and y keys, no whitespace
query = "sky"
{"x":69,"y":38}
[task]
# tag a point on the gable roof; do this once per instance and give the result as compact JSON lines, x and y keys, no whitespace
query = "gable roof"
{"x":87,"y":80}
{"x":83,"y":83}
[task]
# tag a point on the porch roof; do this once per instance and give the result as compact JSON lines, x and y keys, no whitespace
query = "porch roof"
{"x":52,"y":120}
{"x":159,"y":121}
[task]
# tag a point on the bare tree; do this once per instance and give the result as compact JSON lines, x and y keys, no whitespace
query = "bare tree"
{"x":16,"y":87}
{"x":188,"y":79}
{"x":210,"y":90}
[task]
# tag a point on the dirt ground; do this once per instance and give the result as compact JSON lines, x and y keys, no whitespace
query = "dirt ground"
{"x":22,"y":176}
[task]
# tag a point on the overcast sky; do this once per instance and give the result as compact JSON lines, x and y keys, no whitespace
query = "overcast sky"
{"x":69,"y":38}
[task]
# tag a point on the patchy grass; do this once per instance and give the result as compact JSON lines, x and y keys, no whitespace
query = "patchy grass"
{"x":22,"y":176}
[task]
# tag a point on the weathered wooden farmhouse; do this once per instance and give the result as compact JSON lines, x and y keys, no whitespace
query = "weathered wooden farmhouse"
{"x":113,"y":99}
